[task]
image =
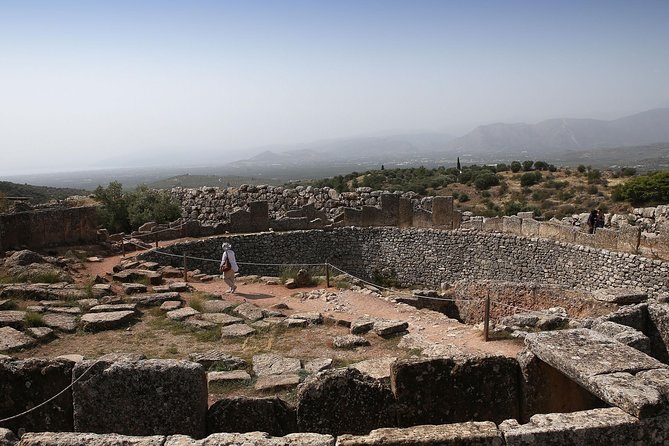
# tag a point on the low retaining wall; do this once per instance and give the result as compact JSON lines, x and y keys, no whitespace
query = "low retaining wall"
{"x":487,"y":391}
{"x":429,"y":257}
{"x":48,"y":227}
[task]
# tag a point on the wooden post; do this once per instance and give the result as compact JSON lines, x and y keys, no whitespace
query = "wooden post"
{"x":185,"y":269}
{"x":486,"y":323}
{"x":156,"y":237}
{"x":327,"y":274}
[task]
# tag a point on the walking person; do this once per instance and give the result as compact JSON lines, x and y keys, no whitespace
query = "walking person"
{"x":229,"y":266}
{"x":592,"y":221}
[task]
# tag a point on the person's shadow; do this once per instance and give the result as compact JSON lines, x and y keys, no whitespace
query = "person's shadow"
{"x":253,"y":295}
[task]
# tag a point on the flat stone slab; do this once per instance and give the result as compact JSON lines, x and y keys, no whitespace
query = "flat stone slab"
{"x":388,"y":327}
{"x":161,"y":288}
{"x":249,"y":311}
{"x":216,"y":306}
{"x":198,"y":324}
{"x":361,"y":326}
{"x":182,"y":287}
{"x":221,"y":318}
{"x":349,"y":341}
{"x":133,"y":275}
{"x":171,"y":305}
{"x":277,"y":382}
{"x":104,"y":308}
{"x":620,"y":296}
{"x":312,"y":318}
{"x":42,"y":334}
{"x":134,"y":288}
{"x":317,"y":365}
{"x":236,"y":331}
{"x":77,"y":438}
{"x":607,"y":426}
{"x":217,"y":359}
{"x":623,"y":334}
{"x":87,"y":304}
{"x":105,"y":320}
{"x":271,"y":364}
{"x":12,"y":318}
{"x":294,"y":323}
{"x":61,"y":322}
{"x":153,"y":299}
{"x":181,"y":313}
{"x":233,"y":376}
{"x":603,"y":366}
{"x":377,"y":368}
{"x":12,"y":339}
{"x":481,"y":433}
{"x":64,"y":310}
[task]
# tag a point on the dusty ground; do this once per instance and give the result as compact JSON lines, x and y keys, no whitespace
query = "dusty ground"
{"x":157,"y":337}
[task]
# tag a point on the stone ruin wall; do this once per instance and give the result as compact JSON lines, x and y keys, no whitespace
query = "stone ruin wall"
{"x":454,"y":401}
{"x":430,"y":257}
{"x":48,"y":227}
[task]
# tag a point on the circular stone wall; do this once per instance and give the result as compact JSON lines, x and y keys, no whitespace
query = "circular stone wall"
{"x":429,"y":257}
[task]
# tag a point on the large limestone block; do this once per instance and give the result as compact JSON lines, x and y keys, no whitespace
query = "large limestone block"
{"x":603,"y":366}
{"x":11,"y":340}
{"x":78,"y":439}
{"x":597,"y":427}
{"x":344,"y":401}
{"x":27,"y":383}
{"x":106,"y":320}
{"x":457,"y":434}
{"x":449,"y":390}
{"x":141,"y":398}
{"x":658,"y":330}
{"x":12,"y":318}
{"x":153,"y":299}
{"x":244,"y":414}
{"x":545,"y":390}
{"x":271,"y":364}
{"x":253,"y":439}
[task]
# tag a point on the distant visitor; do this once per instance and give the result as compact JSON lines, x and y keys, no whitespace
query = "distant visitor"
{"x":229,"y":266}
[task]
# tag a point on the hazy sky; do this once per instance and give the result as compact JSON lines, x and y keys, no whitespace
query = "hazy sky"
{"x":86,"y":81}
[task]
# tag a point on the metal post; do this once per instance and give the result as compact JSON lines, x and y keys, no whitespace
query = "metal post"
{"x":185,"y":269}
{"x":327,"y":274}
{"x":486,"y":323}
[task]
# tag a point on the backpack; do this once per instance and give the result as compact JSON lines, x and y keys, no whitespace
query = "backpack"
{"x":226,"y":265}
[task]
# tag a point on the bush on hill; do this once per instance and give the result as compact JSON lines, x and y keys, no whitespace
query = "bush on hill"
{"x":644,"y":189}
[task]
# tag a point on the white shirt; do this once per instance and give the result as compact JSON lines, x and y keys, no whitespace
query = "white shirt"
{"x":230,"y":255}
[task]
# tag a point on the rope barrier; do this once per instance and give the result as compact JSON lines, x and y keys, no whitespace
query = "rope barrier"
{"x":32,"y":409}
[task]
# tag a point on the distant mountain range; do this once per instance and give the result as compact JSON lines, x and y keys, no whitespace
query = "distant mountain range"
{"x":560,"y":135}
{"x":552,"y":138}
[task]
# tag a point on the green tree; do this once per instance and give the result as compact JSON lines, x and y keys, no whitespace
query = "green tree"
{"x":527,"y":165}
{"x":113,"y":214}
{"x":541,"y":165}
{"x":458,"y":165}
{"x":644,"y":189}
{"x":486,"y":181}
{"x":151,"y":205}
{"x":516,"y":166}
{"x":581,"y":168}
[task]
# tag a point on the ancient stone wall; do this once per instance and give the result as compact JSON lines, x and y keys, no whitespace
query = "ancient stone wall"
{"x":48,"y":227}
{"x":429,"y":257}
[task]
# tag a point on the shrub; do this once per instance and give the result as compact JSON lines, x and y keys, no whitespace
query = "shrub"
{"x":486,"y":181}
{"x":530,"y":178}
{"x":463,"y":198}
{"x":581,"y":168}
{"x":594,"y":176}
{"x":502,"y":167}
{"x":652,"y":188}
{"x":541,"y":165}
{"x":516,"y":166}
{"x":552,"y":168}
{"x":628,"y":171}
